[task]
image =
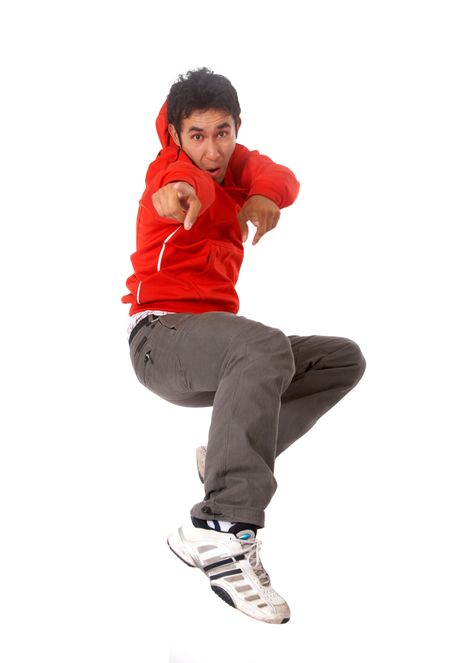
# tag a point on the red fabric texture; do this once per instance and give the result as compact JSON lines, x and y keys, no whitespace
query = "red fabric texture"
{"x":196,"y":270}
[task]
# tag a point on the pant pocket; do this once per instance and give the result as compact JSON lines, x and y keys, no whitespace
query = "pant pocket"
{"x":168,"y":321}
{"x":173,"y":320}
{"x":140,"y":345}
{"x":140,"y":355}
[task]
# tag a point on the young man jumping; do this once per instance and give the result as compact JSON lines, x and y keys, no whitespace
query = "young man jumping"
{"x":189,"y":346}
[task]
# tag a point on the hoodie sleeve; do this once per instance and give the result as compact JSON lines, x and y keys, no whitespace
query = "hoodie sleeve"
{"x":180,"y":171}
{"x":262,"y":176}
{"x":172,"y":165}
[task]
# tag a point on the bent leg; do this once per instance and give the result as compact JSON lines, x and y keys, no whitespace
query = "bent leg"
{"x":246,"y":365}
{"x":266,"y":390}
{"x":326,"y":369}
{"x":250,"y":368}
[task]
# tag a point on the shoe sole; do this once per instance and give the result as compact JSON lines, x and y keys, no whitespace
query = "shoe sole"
{"x":184,"y":556}
{"x":200,"y":456}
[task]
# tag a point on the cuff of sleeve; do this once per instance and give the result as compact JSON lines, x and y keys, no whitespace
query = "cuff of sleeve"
{"x":281,"y":196}
{"x":203,"y":184}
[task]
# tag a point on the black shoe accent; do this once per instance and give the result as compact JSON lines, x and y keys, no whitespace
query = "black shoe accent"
{"x":285,"y":620}
{"x":228,"y":560}
{"x":221,"y":593}
{"x":199,"y":522}
{"x":239,"y":527}
{"x":215,"y":565}
{"x":234,"y":572}
{"x":235,"y":529}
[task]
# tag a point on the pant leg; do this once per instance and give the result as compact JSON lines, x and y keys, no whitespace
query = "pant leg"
{"x":326,"y":369}
{"x":247,"y":366}
{"x":266,"y":389}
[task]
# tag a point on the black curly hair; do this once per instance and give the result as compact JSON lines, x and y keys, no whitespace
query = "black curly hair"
{"x":201,"y":89}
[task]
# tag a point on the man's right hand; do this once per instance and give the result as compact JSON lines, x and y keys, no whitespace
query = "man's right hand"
{"x":178,"y":201}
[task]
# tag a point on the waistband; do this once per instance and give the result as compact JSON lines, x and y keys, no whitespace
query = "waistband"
{"x":142,"y":323}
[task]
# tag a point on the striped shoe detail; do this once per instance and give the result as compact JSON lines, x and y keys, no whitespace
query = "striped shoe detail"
{"x":221,"y":562}
{"x":202,"y":549}
{"x":225,"y":573}
{"x":235,"y":579}
{"x":235,"y":571}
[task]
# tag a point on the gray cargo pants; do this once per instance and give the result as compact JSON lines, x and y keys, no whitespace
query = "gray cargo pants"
{"x":266,"y":389}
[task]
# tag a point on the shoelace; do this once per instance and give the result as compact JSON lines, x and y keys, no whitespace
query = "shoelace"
{"x":252,"y":554}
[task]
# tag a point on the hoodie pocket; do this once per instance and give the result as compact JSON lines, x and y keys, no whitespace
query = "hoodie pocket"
{"x":224,"y":262}
{"x":188,"y":258}
{"x":166,"y":320}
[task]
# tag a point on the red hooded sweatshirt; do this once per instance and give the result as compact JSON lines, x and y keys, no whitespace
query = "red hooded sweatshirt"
{"x":196,"y":270}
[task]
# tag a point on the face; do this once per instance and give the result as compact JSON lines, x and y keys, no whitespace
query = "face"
{"x":208,"y":138}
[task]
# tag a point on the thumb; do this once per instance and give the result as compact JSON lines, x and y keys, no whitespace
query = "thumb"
{"x":244,"y":230}
{"x":184,"y":188}
{"x":193,"y":209}
{"x":243,"y":224}
{"x":185,"y":193}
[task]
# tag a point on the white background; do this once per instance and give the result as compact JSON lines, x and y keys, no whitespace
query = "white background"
{"x":95,"y":470}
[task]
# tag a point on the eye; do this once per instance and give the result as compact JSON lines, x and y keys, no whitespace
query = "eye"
{"x":222,"y":133}
{"x":197,"y":136}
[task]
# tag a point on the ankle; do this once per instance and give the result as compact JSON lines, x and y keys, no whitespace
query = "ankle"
{"x":240,"y":530}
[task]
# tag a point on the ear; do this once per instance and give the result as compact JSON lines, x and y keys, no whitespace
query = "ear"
{"x":238,"y":126}
{"x":174,"y":134}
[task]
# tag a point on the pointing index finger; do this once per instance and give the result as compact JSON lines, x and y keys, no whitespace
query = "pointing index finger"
{"x":192,"y":213}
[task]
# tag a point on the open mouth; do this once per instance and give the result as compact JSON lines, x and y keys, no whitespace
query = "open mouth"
{"x":213,"y":171}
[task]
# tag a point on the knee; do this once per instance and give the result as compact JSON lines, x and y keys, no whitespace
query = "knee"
{"x":279,"y":349}
{"x":355,"y":359}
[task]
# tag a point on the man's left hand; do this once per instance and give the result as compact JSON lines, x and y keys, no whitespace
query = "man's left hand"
{"x":262,"y":212}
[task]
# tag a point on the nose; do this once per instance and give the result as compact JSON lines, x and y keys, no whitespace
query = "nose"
{"x":212,"y":151}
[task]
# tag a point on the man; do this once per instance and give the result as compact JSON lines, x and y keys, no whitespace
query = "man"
{"x":189,"y":346}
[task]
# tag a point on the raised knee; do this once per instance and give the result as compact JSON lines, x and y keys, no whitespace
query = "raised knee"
{"x":356,"y":358}
{"x":279,"y":347}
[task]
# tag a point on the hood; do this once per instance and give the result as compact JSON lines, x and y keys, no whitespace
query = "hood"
{"x":167,"y":141}
{"x":161,"y":127}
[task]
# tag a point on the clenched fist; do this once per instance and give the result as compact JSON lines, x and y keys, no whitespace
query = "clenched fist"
{"x":178,"y":201}
{"x":262,"y":212}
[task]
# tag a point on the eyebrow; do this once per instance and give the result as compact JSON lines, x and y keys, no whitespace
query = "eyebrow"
{"x":224,"y":125}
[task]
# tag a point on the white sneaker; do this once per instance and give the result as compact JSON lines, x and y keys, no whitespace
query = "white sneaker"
{"x":200,"y":455}
{"x":234,"y":569}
